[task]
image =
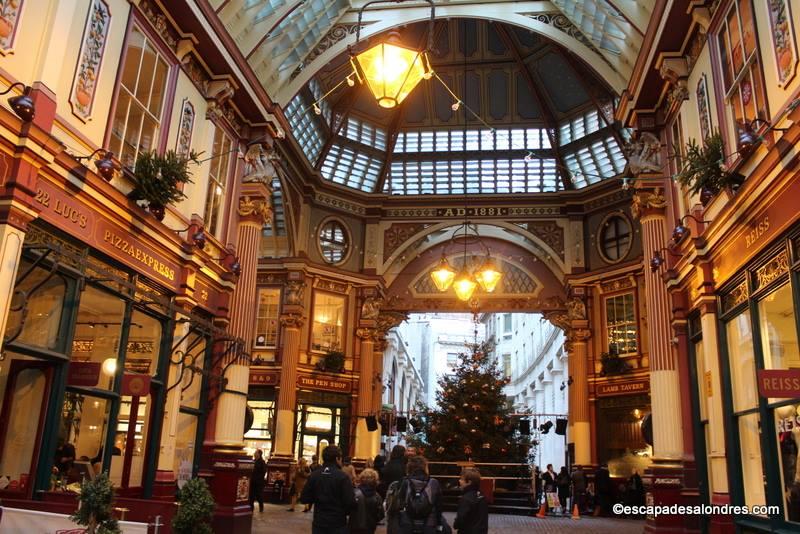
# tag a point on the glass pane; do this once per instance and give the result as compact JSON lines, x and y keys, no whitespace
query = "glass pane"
{"x":328,"y":322}
{"x":742,"y":364}
{"x":133,"y":56}
{"x":192,"y":378}
{"x":788,"y":438}
{"x":700,"y":367}
{"x":149,"y":133}
{"x":185,"y":448}
{"x":159,"y":84}
{"x":621,"y":324}
{"x":267,"y":317}
{"x":736,"y":43}
{"x":131,"y":440}
{"x":22,"y":415}
{"x":318,"y":419}
{"x":748,"y":27}
{"x":259,"y":436}
{"x":752,"y":469}
{"x":130,"y":147}
{"x":118,"y":126}
{"x":146,"y":74}
{"x":82,"y":434}
{"x":44,"y":308}
{"x":93,"y":359}
{"x":144,"y":344}
{"x":779,"y":330}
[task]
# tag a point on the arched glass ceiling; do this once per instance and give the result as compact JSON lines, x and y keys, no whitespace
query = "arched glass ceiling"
{"x":550,"y":123}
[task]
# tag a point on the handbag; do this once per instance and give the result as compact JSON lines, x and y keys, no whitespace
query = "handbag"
{"x":443,"y":527}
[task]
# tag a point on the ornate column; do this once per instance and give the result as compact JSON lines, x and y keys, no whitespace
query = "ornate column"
{"x":579,"y":391}
{"x":366,"y":441}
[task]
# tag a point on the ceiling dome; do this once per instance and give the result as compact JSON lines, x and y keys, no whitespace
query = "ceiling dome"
{"x":542,"y":120}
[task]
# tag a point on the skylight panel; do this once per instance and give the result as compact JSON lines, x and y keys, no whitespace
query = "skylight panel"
{"x":348,"y":166}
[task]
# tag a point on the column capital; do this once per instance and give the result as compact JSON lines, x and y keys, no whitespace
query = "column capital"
{"x":367,"y":334}
{"x":292,"y":320}
{"x":254,"y":209}
{"x":648,"y":202}
{"x":579,"y":335}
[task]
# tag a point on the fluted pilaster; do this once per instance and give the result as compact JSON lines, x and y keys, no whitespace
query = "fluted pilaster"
{"x":366,"y":441}
{"x":291,"y":325}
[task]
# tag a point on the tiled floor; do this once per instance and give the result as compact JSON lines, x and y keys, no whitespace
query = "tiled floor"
{"x":277,"y":520}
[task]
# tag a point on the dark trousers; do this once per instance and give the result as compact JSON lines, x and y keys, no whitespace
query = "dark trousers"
{"x":256,"y":494}
{"x":329,"y":530}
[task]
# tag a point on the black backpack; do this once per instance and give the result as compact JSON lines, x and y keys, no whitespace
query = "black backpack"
{"x":418,"y":505}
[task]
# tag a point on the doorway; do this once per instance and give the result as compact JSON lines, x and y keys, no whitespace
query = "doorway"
{"x":318,"y":427}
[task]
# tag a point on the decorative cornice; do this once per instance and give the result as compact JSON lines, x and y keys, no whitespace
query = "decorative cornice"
{"x":341,"y":204}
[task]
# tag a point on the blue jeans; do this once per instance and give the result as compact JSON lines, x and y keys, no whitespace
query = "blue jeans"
{"x":329,"y":530}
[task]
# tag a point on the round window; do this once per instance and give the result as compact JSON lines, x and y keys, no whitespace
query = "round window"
{"x":334,"y":242}
{"x":615,"y":238}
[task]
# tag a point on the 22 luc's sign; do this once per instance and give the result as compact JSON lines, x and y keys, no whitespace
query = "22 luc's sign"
{"x":783,"y":383}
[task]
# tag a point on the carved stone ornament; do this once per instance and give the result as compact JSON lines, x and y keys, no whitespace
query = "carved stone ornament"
{"x":260,"y":165}
{"x":647,"y":200}
{"x":579,"y":335}
{"x":576,"y":309}
{"x":644,"y":153}
{"x":294,"y":293}
{"x":259,"y":208}
{"x":559,"y":319}
{"x":367,"y":334}
{"x":292,"y":320}
{"x":390,"y":319}
{"x":371,"y":307}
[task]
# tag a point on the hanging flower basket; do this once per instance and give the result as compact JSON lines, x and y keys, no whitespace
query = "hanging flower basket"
{"x":159,"y":180}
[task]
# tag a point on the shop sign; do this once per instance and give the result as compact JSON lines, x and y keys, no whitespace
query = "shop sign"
{"x":83,"y":374}
{"x":204,"y":295}
{"x":135,"y":385}
{"x":327,"y":384}
{"x":783,"y":383}
{"x":64,"y":211}
{"x":624,"y":388}
{"x":262,"y":377}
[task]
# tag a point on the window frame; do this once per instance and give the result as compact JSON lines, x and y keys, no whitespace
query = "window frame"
{"x":268,"y":347}
{"x":343,"y":341}
{"x":635,"y":309}
{"x":347,"y":235}
{"x":600,"y":242}
{"x":138,"y":21}
{"x":222,"y":209}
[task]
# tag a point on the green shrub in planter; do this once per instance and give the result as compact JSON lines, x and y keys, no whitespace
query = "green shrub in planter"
{"x":159,"y":179}
{"x":332,"y":361}
{"x":703,"y":168}
{"x":196,"y":509}
{"x":95,"y":511}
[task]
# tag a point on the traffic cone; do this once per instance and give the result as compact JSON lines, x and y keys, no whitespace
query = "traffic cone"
{"x":575,"y":513}
{"x":542,"y":511}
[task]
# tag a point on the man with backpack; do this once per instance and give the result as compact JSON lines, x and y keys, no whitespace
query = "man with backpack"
{"x":416,"y":507}
{"x":331,"y":493}
{"x":473,"y":510}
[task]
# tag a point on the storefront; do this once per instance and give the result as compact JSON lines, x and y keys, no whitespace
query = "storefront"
{"x":261,"y":398}
{"x":623,"y":409}
{"x":758,"y":330}
{"x":323,"y":416}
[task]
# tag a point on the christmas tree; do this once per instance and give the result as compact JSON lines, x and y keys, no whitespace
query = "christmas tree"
{"x":471,"y":420}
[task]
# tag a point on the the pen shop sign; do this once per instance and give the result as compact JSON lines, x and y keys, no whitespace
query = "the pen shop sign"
{"x":324,"y":383}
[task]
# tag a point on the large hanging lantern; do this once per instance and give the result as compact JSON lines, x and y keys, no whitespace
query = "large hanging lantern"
{"x":464,"y":285}
{"x":443,"y":275}
{"x":391,"y":72}
{"x":488,"y":276}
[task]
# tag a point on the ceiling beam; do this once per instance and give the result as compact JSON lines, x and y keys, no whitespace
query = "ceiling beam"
{"x":551,"y":126}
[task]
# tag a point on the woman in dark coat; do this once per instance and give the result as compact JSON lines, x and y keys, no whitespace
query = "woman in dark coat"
{"x":563,"y":483}
{"x":257,"y":481}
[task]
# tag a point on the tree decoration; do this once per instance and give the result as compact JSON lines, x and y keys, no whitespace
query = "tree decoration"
{"x":196,"y":509}
{"x":94,"y":512}
{"x":159,"y":179}
{"x":469,"y":413}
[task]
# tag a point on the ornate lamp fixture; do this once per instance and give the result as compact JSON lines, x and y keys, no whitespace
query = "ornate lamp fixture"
{"x":466,"y":282}
{"x":105,"y":164}
{"x":658,"y":260}
{"x":681,"y":232}
{"x":21,"y":104}
{"x":390,"y":70}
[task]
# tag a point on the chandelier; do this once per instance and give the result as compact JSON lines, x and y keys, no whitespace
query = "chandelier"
{"x":465,"y":282}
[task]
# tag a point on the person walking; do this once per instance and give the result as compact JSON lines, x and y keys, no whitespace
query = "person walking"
{"x":536,"y":486}
{"x":395,"y":468}
{"x":548,"y":484}
{"x":369,"y":506}
{"x":420,"y":500}
{"x":331,"y":493}
{"x":257,"y":481}
{"x":602,"y":488}
{"x":579,"y":488}
{"x":301,"y":474}
{"x":563,"y":483}
{"x":472,"y":516}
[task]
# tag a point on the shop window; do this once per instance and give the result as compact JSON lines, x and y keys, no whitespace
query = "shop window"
{"x":136,"y":119}
{"x":740,"y":64}
{"x":23,"y":384}
{"x":267,"y":317}
{"x":259,"y":435}
{"x":621,"y":324}
{"x":741,"y":362}
{"x":614,"y":241}
{"x":779,"y":330}
{"x":185,"y":447}
{"x":328,"y":324}
{"x":752,"y":468}
{"x":218,"y":171}
{"x":82,"y":434}
{"x":43,"y":310}
{"x":95,"y":347}
{"x":130,"y":442}
{"x":334,"y":242}
{"x":191,"y":375}
{"x":144,"y":344}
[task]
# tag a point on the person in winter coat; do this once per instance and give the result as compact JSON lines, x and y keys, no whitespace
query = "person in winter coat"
{"x":548,"y":483}
{"x":579,"y":488}
{"x":395,"y":468}
{"x":257,"y":481}
{"x":369,"y":505}
{"x":301,"y":474}
{"x":473,"y":510}
{"x":563,"y":483}
{"x":331,"y":493}
{"x":420,"y":500}
{"x":603,"y":490}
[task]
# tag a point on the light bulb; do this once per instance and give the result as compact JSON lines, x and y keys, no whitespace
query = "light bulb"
{"x":456,"y":105}
{"x":350,"y":81}
{"x":443,"y":275}
{"x":464,"y":286}
{"x":317,"y":109}
{"x":488,"y":276}
{"x":528,"y":157}
{"x":110,"y":366}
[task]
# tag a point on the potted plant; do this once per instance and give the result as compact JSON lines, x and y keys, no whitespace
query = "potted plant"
{"x":332,"y":361}
{"x":196,"y":509}
{"x":159,"y":179}
{"x":94,"y":511}
{"x":612,"y":364}
{"x":703,"y":169}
